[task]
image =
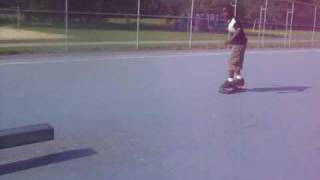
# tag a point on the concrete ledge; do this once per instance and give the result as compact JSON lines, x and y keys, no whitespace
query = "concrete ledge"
{"x":26,"y":135}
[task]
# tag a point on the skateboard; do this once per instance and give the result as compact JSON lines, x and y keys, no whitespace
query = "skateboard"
{"x":231,"y":90}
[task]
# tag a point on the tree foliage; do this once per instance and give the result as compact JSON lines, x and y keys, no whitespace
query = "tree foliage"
{"x":248,"y":10}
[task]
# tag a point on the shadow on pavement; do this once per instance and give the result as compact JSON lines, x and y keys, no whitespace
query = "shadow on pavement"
{"x":45,"y":160}
{"x":279,"y":90}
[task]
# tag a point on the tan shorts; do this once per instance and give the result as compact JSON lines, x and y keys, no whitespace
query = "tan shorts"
{"x":236,"y":57}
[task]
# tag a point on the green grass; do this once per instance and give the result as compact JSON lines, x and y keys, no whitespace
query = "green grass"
{"x":145,"y":21}
{"x":110,"y":34}
{"x":117,"y":30}
{"x":79,"y":35}
{"x":30,"y":50}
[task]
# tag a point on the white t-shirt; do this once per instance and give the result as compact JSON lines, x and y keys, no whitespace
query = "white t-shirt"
{"x":233,"y":26}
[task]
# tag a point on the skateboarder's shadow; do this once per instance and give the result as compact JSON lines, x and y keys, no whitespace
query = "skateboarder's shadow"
{"x":281,"y":89}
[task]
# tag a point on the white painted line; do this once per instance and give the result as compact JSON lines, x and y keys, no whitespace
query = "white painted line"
{"x":173,"y":55}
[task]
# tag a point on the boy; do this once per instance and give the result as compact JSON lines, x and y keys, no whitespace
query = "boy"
{"x":237,"y":41}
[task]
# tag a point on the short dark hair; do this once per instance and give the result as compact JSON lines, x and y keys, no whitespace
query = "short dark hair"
{"x":228,"y":7}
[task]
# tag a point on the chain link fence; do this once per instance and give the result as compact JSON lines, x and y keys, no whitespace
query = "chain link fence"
{"x":278,"y":24}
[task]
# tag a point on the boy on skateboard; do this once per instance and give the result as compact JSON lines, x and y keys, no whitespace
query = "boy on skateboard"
{"x":237,"y":41}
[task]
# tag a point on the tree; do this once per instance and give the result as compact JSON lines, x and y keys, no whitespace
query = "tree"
{"x":8,"y":3}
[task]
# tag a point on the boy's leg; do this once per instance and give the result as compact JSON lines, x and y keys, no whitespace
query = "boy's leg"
{"x":229,"y":82}
{"x":231,"y":71}
{"x":239,"y":80}
{"x":237,"y":73}
{"x":231,"y":75}
{"x":234,"y":62}
{"x":239,"y":64}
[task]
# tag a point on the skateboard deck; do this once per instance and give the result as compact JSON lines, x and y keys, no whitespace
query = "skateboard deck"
{"x":230,"y":90}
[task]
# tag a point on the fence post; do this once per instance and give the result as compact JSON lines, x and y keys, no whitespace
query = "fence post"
{"x":291,"y":23}
{"x":18,"y":16}
{"x":235,"y":7}
{"x":66,"y":45}
{"x":264,"y":22}
{"x":138,"y":25}
{"x":314,"y":24}
{"x":286,"y":36}
{"x":191,"y":24}
{"x":260,"y":27}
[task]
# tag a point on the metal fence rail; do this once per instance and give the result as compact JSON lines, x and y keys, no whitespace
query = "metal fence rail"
{"x":262,"y":32}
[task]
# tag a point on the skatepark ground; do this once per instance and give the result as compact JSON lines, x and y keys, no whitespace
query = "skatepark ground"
{"x":158,"y":115}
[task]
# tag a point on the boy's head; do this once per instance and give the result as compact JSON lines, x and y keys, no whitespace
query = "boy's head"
{"x":227,"y":11}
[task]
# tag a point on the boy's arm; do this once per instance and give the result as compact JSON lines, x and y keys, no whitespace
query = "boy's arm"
{"x":235,"y":34}
{"x":238,"y":31}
